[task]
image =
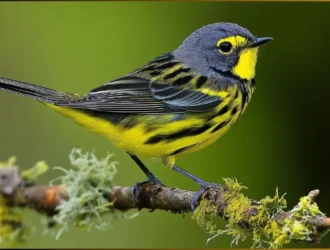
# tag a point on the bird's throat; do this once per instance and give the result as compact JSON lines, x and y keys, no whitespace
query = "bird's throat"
{"x":245,"y":66}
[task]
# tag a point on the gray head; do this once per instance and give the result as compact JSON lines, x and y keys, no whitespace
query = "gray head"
{"x":220,"y":49}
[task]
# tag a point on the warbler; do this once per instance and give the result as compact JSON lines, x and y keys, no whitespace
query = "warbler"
{"x":175,"y":104}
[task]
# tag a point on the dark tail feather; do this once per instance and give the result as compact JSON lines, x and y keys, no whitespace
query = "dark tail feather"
{"x":33,"y":91}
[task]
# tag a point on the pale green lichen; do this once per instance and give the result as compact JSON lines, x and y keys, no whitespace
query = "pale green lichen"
{"x":33,"y":173}
{"x":262,"y":226}
{"x":266,"y":210}
{"x":295,"y":227}
{"x":87,"y":185}
{"x":9,"y":163}
{"x":235,"y":210}
{"x":205,"y":215}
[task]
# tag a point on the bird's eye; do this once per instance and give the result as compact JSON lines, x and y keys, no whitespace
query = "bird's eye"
{"x":225,"y":47}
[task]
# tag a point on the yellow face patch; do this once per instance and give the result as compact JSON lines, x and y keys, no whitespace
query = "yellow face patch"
{"x":245,"y":67}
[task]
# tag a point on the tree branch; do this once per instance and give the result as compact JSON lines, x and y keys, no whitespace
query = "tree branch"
{"x":46,"y":198}
{"x":249,"y":214}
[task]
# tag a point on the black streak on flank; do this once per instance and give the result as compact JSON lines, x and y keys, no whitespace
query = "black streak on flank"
{"x":236,"y":94}
{"x":244,"y":95}
{"x":178,"y":135}
{"x":200,"y":81}
{"x":176,"y":72}
{"x":224,"y":110}
{"x":234,"y":110}
{"x":219,"y":126}
{"x":182,"y":80}
{"x":180,"y":150}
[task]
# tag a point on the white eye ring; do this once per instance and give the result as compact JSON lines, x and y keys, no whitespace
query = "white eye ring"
{"x":225,"y":48}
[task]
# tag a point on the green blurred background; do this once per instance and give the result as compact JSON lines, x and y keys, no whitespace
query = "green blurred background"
{"x":281,"y":141}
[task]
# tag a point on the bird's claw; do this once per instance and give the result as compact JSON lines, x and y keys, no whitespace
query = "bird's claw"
{"x":203,"y":187}
{"x":152,"y":179}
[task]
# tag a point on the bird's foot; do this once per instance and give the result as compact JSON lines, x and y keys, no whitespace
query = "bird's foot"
{"x":203,"y":187}
{"x":151,"y":179}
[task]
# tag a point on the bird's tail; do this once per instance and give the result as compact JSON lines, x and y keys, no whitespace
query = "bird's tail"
{"x":33,"y":91}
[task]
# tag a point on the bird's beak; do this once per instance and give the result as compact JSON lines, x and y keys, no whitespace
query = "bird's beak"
{"x":260,"y":41}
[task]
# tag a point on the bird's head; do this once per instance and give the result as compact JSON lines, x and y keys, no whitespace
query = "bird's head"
{"x":221,"y":48}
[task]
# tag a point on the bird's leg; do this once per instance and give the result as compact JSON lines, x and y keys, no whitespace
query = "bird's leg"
{"x":151,"y":177}
{"x":203,"y":185}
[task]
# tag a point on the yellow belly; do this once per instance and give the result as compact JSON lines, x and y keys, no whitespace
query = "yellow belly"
{"x":133,"y":140}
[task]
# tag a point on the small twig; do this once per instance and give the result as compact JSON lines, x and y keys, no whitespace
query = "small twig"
{"x":313,"y":194}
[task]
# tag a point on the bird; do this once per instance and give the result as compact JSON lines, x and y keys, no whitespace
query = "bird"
{"x":175,"y":104}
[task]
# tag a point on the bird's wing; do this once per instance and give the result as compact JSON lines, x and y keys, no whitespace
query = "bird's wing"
{"x":134,"y":94}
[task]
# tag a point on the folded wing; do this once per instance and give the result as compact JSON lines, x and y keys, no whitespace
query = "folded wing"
{"x":137,"y":95}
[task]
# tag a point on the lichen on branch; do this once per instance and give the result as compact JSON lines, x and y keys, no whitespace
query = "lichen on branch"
{"x":86,"y":183}
{"x":264,"y":220}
